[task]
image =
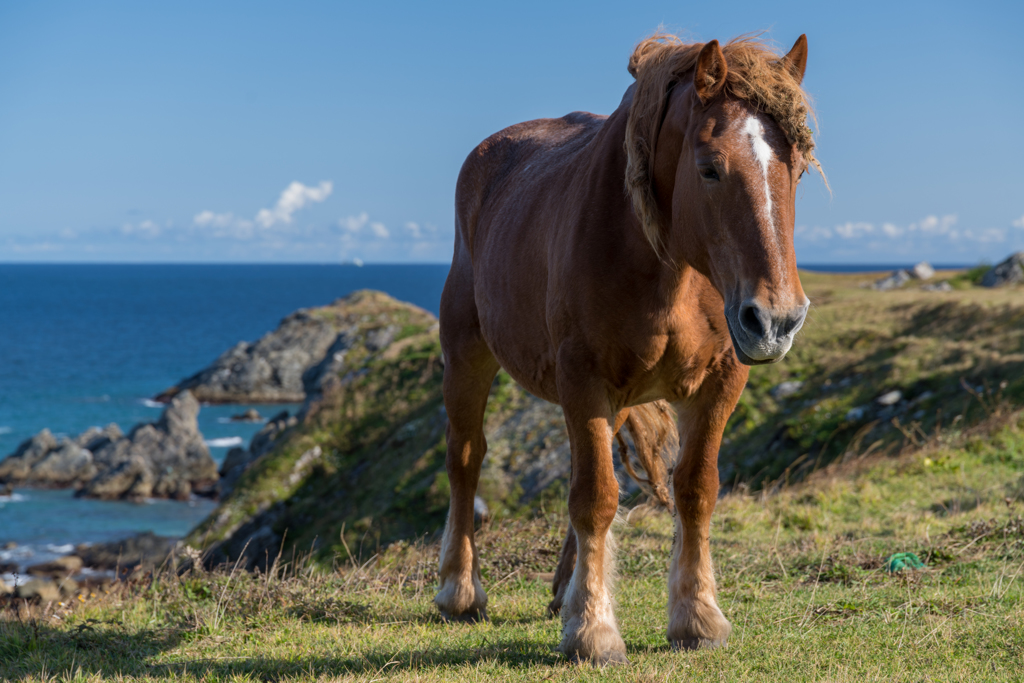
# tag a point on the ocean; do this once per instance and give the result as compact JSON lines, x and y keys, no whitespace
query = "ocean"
{"x":86,"y":345}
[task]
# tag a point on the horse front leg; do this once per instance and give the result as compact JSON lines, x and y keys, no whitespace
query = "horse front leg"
{"x":467,"y":381}
{"x":694,"y":618}
{"x":589,"y":630}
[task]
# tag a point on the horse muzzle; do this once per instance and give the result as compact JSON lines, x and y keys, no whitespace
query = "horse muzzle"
{"x":762,"y":335}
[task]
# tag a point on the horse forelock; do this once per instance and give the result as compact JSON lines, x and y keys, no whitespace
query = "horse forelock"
{"x":754,"y":75}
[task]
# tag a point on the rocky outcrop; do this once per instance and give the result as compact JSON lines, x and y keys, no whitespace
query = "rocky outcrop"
{"x":165,"y":459}
{"x":239,"y":459}
{"x":1008,"y":272}
{"x":898,"y":278}
{"x":274,"y":368}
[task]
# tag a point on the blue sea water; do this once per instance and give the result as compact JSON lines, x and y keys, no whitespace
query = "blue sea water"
{"x":85,"y":345}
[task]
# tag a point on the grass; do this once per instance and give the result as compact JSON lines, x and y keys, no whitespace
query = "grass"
{"x":801,"y":576}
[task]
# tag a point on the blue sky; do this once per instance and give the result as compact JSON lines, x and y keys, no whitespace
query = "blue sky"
{"x":322,"y":132}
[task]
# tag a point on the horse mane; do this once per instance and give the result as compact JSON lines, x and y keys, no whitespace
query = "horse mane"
{"x":754,"y":75}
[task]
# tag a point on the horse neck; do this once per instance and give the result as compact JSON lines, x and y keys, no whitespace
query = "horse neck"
{"x":604,"y":188}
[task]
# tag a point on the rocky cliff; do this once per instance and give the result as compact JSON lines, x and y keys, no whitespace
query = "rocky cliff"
{"x":282,"y":365}
{"x":164,"y":459}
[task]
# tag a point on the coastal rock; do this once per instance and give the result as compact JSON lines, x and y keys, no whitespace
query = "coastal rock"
{"x":285,"y":365}
{"x":267,"y":371}
{"x":165,"y":459}
{"x":922,"y":271}
{"x":95,"y":438}
{"x":17,"y":467}
{"x":251,"y":415}
{"x":146,"y":549}
{"x":66,"y":465}
{"x":58,"y":568}
{"x":895,"y":280}
{"x":239,"y":459}
{"x":44,"y":589}
{"x":1008,"y":272}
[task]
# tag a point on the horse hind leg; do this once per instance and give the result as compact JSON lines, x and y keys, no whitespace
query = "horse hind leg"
{"x":470,"y":368}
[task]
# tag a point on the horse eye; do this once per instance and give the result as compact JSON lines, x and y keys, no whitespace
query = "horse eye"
{"x":709,"y":172}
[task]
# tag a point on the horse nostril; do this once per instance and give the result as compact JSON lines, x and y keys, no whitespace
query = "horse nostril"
{"x":751,"y":321}
{"x":791,"y":323}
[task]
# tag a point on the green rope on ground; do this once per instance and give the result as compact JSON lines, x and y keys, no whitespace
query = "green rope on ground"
{"x":900,"y":561}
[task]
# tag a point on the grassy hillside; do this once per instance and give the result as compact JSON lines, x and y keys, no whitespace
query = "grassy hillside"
{"x":951,"y":355}
{"x":824,"y":484}
{"x":801,"y":577}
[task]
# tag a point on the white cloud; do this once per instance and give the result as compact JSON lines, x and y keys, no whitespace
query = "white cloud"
{"x":146,"y":228}
{"x":1019,"y":223}
{"x":414,"y":229}
{"x":379,"y":230}
{"x":852,"y":230}
{"x":214,"y":220}
{"x":294,"y":197}
{"x":224,"y":224}
{"x":892,"y":230}
{"x":933,"y":225}
{"x":354,"y":223}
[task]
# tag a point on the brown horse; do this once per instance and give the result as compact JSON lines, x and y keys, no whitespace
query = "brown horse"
{"x":608,"y":262}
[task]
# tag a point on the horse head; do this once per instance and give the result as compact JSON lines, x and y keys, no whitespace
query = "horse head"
{"x":731,"y":143}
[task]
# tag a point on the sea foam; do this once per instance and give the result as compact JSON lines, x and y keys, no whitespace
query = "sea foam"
{"x":225,"y":442}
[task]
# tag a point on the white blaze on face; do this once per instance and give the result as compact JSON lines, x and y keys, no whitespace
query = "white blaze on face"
{"x":763,"y":155}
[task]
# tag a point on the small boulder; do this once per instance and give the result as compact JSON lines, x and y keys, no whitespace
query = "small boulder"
{"x":251,"y":415}
{"x":146,"y":549}
{"x":62,"y":566}
{"x":943,"y":286}
{"x":44,"y":589}
{"x":922,"y":271}
{"x":894,"y":280}
{"x":1008,"y":272}
{"x":889,"y":398}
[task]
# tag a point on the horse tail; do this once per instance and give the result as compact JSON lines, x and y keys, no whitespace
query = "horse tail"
{"x":655,"y":435}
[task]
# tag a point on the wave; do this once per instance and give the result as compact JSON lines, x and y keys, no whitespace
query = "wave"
{"x":225,"y":442}
{"x":150,"y":403}
{"x":62,"y":549}
{"x":5,"y":429}
{"x":12,"y":498}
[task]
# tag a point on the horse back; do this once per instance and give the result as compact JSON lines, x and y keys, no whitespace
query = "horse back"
{"x":509,"y":198}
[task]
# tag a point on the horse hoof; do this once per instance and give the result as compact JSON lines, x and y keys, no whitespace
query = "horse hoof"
{"x":697,"y":644}
{"x":470,"y":617}
{"x":554,"y":607}
{"x":602,"y":660}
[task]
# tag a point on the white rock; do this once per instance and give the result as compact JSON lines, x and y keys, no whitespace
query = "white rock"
{"x":923,"y":271}
{"x":889,"y":398}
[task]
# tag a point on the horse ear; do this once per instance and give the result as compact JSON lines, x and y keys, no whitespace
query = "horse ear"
{"x":796,"y":61}
{"x":709,"y":75}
